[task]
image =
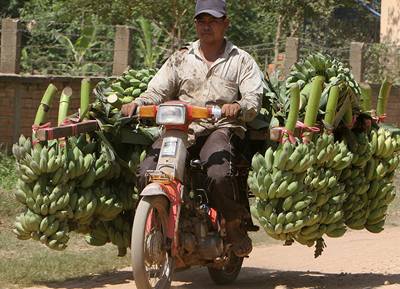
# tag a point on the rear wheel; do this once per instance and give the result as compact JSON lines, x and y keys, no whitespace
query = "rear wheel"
{"x":229,"y":272}
{"x":151,"y":262}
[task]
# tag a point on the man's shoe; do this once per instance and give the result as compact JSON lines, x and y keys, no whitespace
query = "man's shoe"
{"x":237,"y":236}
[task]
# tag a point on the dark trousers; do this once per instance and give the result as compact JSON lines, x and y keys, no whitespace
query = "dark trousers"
{"x":217,"y":153}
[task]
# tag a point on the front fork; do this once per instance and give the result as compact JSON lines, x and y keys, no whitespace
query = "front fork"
{"x":173,"y":192}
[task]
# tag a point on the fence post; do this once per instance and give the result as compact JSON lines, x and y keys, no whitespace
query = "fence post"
{"x":10,"y":46}
{"x":357,"y":53}
{"x":291,"y":53}
{"x":122,"y":49}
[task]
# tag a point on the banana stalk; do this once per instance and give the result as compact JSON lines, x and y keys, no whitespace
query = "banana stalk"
{"x":332,"y":105}
{"x":44,"y":106}
{"x":85,"y":95}
{"x":313,"y":104}
{"x":383,"y":97}
{"x":114,"y":100}
{"x":366,"y":96}
{"x":64,"y":104}
{"x":348,"y":116}
{"x":294,"y":108}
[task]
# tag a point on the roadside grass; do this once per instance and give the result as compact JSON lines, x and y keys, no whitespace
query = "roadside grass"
{"x":25,"y":263}
{"x":8,"y":175}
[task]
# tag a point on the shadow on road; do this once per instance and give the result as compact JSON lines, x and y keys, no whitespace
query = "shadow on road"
{"x":249,"y":278}
{"x":96,"y":281}
{"x":265,"y":279}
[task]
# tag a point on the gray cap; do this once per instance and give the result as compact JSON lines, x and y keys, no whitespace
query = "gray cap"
{"x":216,"y":8}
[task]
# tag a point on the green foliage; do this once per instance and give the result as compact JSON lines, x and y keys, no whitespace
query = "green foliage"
{"x":8,"y":178}
{"x":10,"y":8}
{"x":78,"y":50}
{"x":382,"y":61}
{"x":67,"y":48}
{"x":150,"y":47}
{"x":8,"y":175}
{"x":171,"y":25}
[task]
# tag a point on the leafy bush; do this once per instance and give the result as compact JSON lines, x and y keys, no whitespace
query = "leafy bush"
{"x":8,"y":176}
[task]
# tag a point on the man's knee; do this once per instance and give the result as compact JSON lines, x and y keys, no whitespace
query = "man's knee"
{"x":219,"y":175}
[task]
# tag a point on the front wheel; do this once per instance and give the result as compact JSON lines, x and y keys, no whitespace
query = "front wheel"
{"x":229,"y":272}
{"x":151,"y":261}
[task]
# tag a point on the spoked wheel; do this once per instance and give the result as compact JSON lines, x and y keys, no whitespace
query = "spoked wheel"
{"x":151,"y":262}
{"x":229,"y":272}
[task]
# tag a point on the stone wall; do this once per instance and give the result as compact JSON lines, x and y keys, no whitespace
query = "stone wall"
{"x":19,"y":100}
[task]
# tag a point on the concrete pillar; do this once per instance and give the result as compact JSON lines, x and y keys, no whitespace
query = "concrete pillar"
{"x":10,"y":46}
{"x":357,"y":53}
{"x":291,"y":53}
{"x":390,"y":24}
{"x":122,"y":49}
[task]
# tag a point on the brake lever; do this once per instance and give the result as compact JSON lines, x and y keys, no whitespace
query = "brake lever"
{"x":128,"y":119}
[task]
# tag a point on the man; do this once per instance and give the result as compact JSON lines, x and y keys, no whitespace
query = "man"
{"x":211,"y":71}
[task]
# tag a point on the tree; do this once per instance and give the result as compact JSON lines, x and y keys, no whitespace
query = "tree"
{"x":318,"y":19}
{"x":10,"y":8}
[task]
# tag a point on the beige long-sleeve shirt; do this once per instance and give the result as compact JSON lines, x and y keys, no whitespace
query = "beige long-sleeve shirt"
{"x":185,"y":76}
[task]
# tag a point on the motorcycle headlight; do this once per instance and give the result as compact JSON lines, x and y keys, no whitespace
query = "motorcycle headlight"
{"x":171,"y":114}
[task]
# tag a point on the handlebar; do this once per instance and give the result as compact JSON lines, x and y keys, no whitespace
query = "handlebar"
{"x":192,"y":112}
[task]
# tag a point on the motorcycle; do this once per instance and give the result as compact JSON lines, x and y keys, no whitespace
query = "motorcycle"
{"x":174,"y":225}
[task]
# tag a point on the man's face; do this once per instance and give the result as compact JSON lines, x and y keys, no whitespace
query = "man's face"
{"x":210,"y":29}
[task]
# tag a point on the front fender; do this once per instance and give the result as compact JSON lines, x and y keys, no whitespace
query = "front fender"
{"x":154,"y":189}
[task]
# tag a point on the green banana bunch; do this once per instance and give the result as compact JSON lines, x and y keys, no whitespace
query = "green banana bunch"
{"x":277,"y":181}
{"x":369,"y":180}
{"x":117,"y":231}
{"x":112,"y":94}
{"x":335,"y":73}
{"x":384,"y":144}
{"x":98,"y":236}
{"x":342,"y":159}
{"x":84,"y":206}
{"x":325,"y":193}
{"x":130,"y":85}
{"x":48,"y":230}
{"x":108,"y":204}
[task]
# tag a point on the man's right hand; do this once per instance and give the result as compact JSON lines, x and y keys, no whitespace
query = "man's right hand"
{"x":129,"y":109}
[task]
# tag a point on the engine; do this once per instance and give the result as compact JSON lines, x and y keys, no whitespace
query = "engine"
{"x":200,"y":237}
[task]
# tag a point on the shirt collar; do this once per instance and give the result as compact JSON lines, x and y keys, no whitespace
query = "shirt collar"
{"x":229,"y":48}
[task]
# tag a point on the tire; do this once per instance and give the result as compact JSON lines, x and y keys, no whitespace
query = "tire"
{"x":228,"y":273}
{"x":142,"y":278}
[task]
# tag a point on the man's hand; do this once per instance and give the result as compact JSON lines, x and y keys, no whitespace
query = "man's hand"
{"x":129,"y":109}
{"x":231,"y":110}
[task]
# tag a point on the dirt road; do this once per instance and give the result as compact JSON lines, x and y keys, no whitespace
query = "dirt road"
{"x":357,"y":260}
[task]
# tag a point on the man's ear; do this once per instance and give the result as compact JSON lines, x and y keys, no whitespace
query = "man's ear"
{"x":227,"y":23}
